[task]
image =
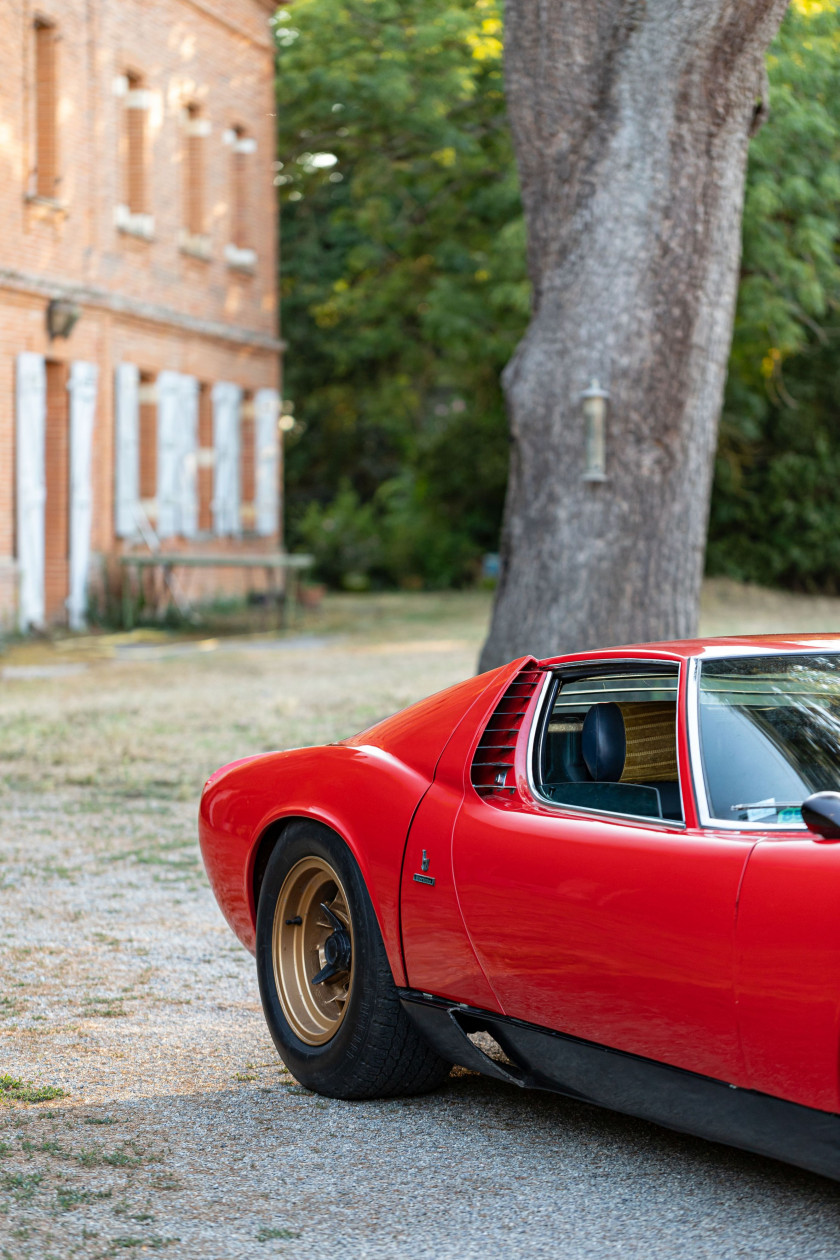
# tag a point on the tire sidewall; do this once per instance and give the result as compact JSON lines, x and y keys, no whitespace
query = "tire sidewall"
{"x":317,"y":1067}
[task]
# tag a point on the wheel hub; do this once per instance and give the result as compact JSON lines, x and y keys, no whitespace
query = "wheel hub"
{"x":337,"y":950}
{"x":312,"y":948}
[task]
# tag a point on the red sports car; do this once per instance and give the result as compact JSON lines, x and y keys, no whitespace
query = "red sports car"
{"x":615,"y":875}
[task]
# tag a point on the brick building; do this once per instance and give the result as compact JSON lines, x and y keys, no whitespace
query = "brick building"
{"x":136,"y":199}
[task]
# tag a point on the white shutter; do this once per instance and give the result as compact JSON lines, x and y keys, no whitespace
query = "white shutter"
{"x":30,"y":428}
{"x":266,"y":410}
{"x":127,"y":472}
{"x":82,"y":387}
{"x":168,"y":390}
{"x":188,"y":449}
{"x":227,"y":399}
{"x":177,"y":484}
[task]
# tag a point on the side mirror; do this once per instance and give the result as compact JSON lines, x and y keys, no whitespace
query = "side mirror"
{"x":821,"y":813}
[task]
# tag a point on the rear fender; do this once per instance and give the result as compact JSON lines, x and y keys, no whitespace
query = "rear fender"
{"x":364,"y":794}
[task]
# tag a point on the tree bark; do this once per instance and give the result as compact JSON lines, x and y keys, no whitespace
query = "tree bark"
{"x":631,"y":121}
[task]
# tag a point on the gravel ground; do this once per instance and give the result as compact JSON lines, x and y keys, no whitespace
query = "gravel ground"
{"x":178,"y":1129}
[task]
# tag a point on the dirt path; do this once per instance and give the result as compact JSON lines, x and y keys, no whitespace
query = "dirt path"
{"x":178,"y":1129}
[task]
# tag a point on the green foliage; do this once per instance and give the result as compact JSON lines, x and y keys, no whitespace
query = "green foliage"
{"x":403,"y":285}
{"x":776,"y":504}
{"x":11,"y":1087}
{"x":397,"y":538}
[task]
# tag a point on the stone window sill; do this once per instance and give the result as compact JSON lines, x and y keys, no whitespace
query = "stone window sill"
{"x":45,"y":207}
{"x":195,"y":244}
{"x":241,"y":259}
{"x":133,"y":223}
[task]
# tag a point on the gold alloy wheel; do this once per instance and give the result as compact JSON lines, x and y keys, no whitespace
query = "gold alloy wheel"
{"x":312,"y":950}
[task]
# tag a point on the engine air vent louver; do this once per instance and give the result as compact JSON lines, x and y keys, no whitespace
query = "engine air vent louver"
{"x":492,"y":767}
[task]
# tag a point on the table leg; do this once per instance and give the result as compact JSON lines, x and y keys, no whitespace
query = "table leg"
{"x":298,"y":606}
{"x":272,"y":576}
{"x":166,"y":574}
{"x":127,"y":599}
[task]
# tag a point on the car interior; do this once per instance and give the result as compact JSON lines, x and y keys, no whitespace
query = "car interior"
{"x":610,"y":744}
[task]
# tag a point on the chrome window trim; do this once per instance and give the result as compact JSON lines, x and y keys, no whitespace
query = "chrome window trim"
{"x":695,"y":747}
{"x":719,"y":652}
{"x":538,"y":726}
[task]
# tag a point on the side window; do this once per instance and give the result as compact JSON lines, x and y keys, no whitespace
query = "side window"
{"x":609,"y":743}
{"x":46,"y":112}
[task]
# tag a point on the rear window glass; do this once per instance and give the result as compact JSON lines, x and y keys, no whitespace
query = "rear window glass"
{"x":610,"y":744}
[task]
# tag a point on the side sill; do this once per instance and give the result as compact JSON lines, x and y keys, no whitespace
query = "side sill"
{"x":673,"y":1097}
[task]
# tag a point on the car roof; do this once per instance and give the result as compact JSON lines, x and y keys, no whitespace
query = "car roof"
{"x":687,"y":649}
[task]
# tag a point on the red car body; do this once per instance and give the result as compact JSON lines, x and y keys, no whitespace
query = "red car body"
{"x":689,"y":974}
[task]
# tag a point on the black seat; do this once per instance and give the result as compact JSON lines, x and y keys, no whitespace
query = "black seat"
{"x":604,"y":742}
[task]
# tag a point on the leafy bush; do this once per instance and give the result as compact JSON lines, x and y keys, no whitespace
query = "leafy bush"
{"x":776,"y":502}
{"x":396,"y":539}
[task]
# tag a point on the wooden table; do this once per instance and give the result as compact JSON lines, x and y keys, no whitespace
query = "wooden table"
{"x":272,"y":563}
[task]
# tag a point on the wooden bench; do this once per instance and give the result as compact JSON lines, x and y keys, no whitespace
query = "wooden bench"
{"x":272,"y":563}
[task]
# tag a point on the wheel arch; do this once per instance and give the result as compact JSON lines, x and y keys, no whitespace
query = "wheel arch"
{"x":268,"y":839}
{"x":265,"y":845}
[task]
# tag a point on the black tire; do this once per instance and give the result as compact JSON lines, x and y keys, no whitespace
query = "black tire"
{"x":376,"y":1051}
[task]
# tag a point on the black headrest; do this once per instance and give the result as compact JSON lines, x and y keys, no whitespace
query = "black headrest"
{"x":604,"y":742}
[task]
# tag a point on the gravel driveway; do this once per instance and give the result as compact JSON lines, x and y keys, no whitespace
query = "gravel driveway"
{"x":178,"y":1129}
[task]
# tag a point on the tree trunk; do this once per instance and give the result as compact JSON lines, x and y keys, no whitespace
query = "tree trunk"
{"x":631,"y":120}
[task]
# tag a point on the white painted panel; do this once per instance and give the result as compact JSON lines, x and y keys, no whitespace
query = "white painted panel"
{"x":127,"y":471}
{"x":82,"y":387}
{"x":266,"y":410}
{"x":138,"y":98}
{"x":30,"y":430}
{"x":227,"y":403}
{"x":168,"y":454}
{"x":188,"y":450}
{"x":177,"y":488}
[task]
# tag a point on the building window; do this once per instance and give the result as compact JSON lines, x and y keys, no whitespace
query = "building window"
{"x":193,"y":238}
{"x":147,"y":412}
{"x":136,"y":108}
{"x":205,"y":458}
{"x":239,"y":190}
{"x":248,"y":463}
{"x":195,"y":129}
{"x":57,"y":479}
{"x":239,"y":251}
{"x":132,"y":214}
{"x":46,"y":121}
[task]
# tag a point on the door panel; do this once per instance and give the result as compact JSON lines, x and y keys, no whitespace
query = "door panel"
{"x":439,"y":957}
{"x":788,"y":970}
{"x":610,"y":931}
{"x":82,"y":389}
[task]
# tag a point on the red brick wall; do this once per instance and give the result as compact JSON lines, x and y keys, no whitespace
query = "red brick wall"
{"x":214,"y":54}
{"x":217,"y":56}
